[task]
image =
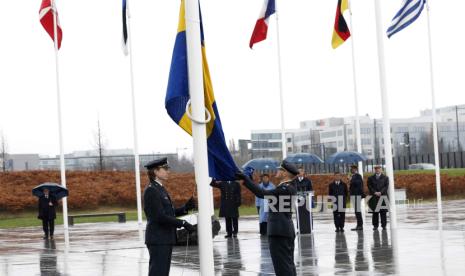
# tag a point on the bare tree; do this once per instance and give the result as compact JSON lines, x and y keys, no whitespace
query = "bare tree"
{"x":100,"y":145}
{"x":3,"y":152}
{"x":232,"y":146}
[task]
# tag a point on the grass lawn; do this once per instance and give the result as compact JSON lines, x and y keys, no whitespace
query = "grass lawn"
{"x":449,"y":172}
{"x":29,"y":218}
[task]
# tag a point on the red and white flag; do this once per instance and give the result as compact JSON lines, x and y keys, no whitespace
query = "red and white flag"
{"x":47,"y":20}
{"x":261,"y":26}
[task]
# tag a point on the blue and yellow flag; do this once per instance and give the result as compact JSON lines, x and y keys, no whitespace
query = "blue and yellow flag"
{"x":220,"y":162}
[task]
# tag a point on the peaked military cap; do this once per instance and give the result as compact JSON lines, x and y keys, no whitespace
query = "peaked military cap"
{"x":289,"y":167}
{"x":157,"y":163}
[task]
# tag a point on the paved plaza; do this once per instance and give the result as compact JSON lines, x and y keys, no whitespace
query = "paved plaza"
{"x":415,"y":248}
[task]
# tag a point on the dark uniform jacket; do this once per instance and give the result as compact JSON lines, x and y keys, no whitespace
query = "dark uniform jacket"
{"x":356,"y":185}
{"x":46,"y":211}
{"x":302,"y":186}
{"x":378,"y":185}
{"x":279,"y":223}
{"x":339,"y":191}
{"x":161,"y":216}
{"x":230,"y":198}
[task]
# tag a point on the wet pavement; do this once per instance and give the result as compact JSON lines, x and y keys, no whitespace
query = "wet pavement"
{"x":417,"y":247}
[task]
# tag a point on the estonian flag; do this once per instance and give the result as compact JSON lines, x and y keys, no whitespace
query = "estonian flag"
{"x":125,"y":29}
{"x":261,"y":27}
{"x":341,"y":31}
{"x":220,"y":162}
{"x":46,"y":19}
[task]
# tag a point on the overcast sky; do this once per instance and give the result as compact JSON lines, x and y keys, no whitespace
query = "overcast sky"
{"x":317,"y":80}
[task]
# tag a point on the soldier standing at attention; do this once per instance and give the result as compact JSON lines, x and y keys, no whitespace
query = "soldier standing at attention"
{"x":356,"y":196}
{"x":281,"y":233}
{"x":160,"y":234}
{"x":230,"y":202}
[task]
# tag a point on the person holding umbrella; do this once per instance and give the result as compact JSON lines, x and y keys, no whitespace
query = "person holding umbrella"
{"x":47,"y":213}
{"x":48,"y":194}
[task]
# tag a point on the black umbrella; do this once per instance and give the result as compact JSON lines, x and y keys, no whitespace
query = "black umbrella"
{"x":56,"y":190}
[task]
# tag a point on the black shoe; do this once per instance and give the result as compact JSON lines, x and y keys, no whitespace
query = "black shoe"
{"x":341,"y":230}
{"x":45,"y":237}
{"x":375,"y":228}
{"x":337,"y":230}
{"x":228,"y":236}
{"x":358,"y":228}
{"x":51,"y":237}
{"x":234,"y":235}
{"x":384,"y":228}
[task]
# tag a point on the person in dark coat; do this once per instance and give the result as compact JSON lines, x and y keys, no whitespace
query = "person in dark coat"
{"x":356,"y":196}
{"x":230,"y":202}
{"x":338,"y":190}
{"x":281,"y":232}
{"x":302,"y":183}
{"x":378,"y":185}
{"x":160,"y":234}
{"x":47,"y":213}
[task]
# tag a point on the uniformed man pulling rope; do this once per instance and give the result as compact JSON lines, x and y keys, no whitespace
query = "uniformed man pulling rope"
{"x":160,"y":234}
{"x":281,"y":233}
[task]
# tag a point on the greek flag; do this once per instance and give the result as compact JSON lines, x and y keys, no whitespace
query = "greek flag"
{"x":408,"y":13}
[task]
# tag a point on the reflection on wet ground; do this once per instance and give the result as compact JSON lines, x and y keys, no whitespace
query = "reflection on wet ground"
{"x":415,"y":248}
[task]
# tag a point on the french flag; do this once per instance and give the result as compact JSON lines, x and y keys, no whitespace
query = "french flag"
{"x":261,"y":27}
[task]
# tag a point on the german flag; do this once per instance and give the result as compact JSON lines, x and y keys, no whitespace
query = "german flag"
{"x":341,"y":31}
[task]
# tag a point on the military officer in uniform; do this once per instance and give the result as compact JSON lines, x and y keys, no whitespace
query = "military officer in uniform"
{"x":281,"y":233}
{"x":160,"y":234}
{"x":230,"y":202}
{"x":378,"y":186}
{"x":356,"y":195}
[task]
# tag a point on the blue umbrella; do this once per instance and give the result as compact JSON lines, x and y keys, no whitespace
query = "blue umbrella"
{"x":55,"y":189}
{"x":346,"y":157}
{"x":304,"y":158}
{"x":262,"y":164}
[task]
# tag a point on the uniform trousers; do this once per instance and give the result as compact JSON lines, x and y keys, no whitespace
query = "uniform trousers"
{"x":160,"y":259}
{"x":282,"y":255}
{"x":232,"y":225}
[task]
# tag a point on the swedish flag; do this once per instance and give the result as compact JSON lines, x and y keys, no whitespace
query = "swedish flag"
{"x":220,"y":162}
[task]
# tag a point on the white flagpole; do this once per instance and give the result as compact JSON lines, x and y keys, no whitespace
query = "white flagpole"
{"x":60,"y":128}
{"x":435,"y":125}
{"x":134,"y":120}
{"x":386,"y":118}
{"x":280,"y":76}
{"x":199,"y":134}
{"x":356,"y":100}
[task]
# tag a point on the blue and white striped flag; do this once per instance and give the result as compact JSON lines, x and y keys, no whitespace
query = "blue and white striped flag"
{"x":408,"y":13}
